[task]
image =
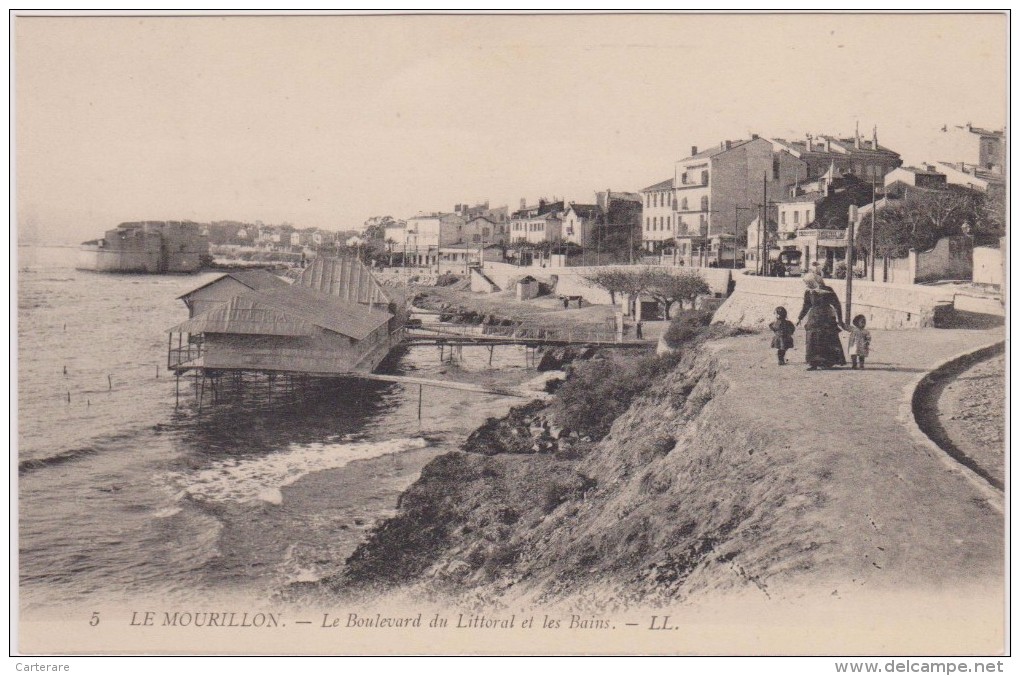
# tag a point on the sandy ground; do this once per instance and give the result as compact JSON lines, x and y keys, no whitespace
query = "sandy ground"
{"x":972,"y":410}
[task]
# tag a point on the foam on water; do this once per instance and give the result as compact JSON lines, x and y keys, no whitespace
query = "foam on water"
{"x":261,"y":479}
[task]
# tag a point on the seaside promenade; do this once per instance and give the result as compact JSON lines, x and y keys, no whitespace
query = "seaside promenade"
{"x":893,"y":508}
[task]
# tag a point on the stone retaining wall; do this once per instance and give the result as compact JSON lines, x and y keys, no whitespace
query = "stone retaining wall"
{"x":885,"y":306}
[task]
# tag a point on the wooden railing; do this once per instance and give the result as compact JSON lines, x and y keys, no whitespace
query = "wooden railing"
{"x":521,"y":332}
{"x":179,"y":356}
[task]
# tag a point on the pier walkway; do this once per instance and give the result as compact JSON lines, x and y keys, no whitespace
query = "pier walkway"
{"x":518,"y":335}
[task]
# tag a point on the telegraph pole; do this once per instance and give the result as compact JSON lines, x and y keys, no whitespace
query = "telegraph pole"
{"x":849,"y":269}
{"x":871,"y":243}
{"x":763,"y":224}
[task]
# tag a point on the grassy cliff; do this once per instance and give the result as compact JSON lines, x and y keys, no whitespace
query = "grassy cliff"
{"x":723,"y":474}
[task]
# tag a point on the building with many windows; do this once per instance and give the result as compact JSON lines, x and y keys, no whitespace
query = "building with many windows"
{"x":658,"y":220}
{"x":537,"y":224}
{"x":864,"y":158}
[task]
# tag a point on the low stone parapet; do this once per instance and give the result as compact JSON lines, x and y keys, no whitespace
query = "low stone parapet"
{"x":885,"y":306}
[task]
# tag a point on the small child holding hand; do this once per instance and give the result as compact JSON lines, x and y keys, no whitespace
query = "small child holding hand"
{"x":782,"y":340}
{"x":860,"y":342}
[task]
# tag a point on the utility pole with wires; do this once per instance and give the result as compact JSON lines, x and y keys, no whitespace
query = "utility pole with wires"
{"x":849,"y":269}
{"x":871,"y":238}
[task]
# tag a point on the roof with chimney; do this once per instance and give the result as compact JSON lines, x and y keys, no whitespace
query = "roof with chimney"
{"x":840,"y":147}
{"x":540,"y":209}
{"x":723,"y":147}
{"x":814,"y":196}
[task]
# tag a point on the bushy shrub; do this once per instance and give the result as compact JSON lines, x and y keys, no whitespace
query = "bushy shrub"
{"x":839,"y":272}
{"x":597,"y":391}
{"x":686,"y":327}
{"x":446,"y":279}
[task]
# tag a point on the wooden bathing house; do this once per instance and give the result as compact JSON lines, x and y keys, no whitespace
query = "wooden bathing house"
{"x":220,"y":290}
{"x":292,"y":329}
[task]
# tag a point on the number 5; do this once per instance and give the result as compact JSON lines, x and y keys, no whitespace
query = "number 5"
{"x":95,"y":619}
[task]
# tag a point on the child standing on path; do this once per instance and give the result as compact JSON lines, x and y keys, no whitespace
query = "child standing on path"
{"x":860,"y":342}
{"x":782,"y":339}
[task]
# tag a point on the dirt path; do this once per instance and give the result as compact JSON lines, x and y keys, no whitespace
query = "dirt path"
{"x":897,"y":510}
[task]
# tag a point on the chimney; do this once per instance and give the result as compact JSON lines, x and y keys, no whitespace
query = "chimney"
{"x":524,"y":203}
{"x":727,"y":144}
{"x":754,"y":137}
{"x":694,"y":150}
{"x":874,"y":137}
{"x":828,"y":145}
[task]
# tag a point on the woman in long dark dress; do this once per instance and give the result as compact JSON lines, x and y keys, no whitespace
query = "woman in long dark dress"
{"x":824,"y":322}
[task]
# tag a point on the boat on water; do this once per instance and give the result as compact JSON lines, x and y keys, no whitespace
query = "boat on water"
{"x":152,"y":247}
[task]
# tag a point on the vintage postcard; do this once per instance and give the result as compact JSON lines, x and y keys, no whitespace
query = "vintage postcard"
{"x":646,"y":334}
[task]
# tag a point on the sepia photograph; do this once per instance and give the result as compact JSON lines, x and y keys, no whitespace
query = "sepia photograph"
{"x":633,"y":333}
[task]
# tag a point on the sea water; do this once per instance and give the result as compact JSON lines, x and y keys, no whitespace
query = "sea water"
{"x":127,"y":490}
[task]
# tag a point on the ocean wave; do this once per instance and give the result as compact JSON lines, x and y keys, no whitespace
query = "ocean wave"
{"x":31,"y":464}
{"x":262,"y":479}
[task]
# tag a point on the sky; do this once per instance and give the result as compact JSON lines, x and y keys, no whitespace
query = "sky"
{"x":326,"y":121}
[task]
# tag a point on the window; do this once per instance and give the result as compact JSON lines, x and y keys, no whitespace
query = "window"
{"x":683,"y":204}
{"x":669,"y":222}
{"x":683,"y":178}
{"x":704,"y":177}
{"x":648,"y":223}
{"x":796,"y":217}
{"x":485,"y":232}
{"x":704,"y":203}
{"x":782,"y":218}
{"x":775,"y":167}
{"x":476,"y":238}
{"x":807,"y":217}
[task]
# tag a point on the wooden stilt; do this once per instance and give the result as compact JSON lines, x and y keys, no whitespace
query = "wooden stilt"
{"x":177,"y":391}
{"x":492,"y":348}
{"x":201,"y":393}
{"x":109,"y":382}
{"x":420,"y":388}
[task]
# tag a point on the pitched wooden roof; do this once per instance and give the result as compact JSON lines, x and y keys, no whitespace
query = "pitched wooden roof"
{"x":256,"y":280}
{"x":291,"y":311}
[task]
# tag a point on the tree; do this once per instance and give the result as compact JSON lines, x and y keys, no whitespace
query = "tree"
{"x":921,"y":219}
{"x":611,"y":279}
{"x":668,"y":288}
{"x":990,"y":222}
{"x":629,"y":283}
